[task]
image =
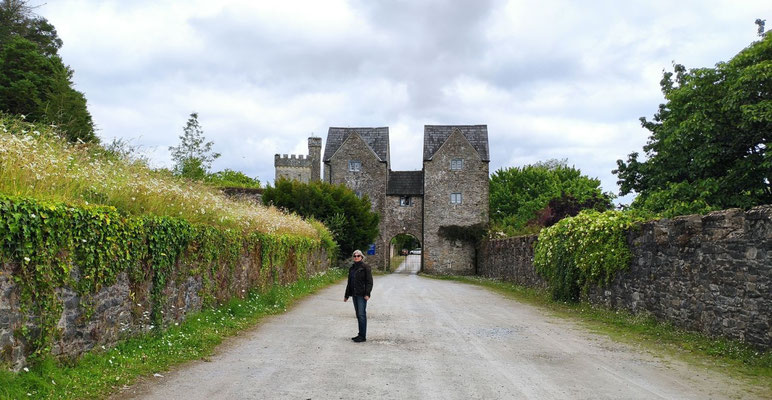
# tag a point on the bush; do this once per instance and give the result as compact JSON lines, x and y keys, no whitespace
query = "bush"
{"x":231,"y":178}
{"x":577,"y":251}
{"x":349,"y":218}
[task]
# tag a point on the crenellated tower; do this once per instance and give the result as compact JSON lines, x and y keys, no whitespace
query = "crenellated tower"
{"x":302,"y":168}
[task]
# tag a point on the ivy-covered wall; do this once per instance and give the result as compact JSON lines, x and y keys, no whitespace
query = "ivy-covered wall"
{"x":72,"y":278}
{"x":710,"y":273}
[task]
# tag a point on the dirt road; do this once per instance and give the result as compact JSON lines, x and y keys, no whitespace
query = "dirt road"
{"x":429,"y":339}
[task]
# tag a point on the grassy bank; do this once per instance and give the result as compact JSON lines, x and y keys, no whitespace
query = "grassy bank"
{"x":731,"y":357}
{"x":36,"y":163}
{"x":100,"y":373}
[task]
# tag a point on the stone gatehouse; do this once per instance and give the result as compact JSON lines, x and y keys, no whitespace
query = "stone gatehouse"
{"x":451,"y":190}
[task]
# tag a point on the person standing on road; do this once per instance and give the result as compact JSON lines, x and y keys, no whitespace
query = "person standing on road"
{"x":360,"y":283}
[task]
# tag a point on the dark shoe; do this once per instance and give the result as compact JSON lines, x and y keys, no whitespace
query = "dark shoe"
{"x":359,"y":339}
{"x":355,"y":338}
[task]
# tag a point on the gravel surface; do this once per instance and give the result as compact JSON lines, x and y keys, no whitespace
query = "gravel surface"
{"x":429,"y":339}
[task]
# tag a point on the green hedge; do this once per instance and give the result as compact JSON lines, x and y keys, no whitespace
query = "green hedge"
{"x":44,"y":240}
{"x":588,"y":248}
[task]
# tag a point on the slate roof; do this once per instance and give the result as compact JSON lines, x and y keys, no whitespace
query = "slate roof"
{"x":436,"y":135}
{"x":376,"y":138}
{"x":405,"y":183}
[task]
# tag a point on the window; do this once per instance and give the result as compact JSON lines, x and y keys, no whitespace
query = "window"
{"x":359,"y":194}
{"x":404,"y":201}
{"x":455,"y":198}
{"x":457,"y":164}
{"x":354,"y":165}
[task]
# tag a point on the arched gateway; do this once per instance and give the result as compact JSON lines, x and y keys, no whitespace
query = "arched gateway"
{"x":451,"y":190}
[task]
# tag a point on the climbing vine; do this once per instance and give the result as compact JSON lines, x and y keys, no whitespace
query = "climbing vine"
{"x":53,"y":245}
{"x":588,"y":248}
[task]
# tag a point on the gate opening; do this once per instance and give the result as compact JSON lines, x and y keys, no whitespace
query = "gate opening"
{"x":405,"y":254}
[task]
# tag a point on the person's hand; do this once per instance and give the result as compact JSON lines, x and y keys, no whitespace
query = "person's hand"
{"x":367,"y":298}
{"x":345,"y":299}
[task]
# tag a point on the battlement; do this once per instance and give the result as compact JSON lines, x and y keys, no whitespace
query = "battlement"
{"x":315,"y":142}
{"x":291,"y":160}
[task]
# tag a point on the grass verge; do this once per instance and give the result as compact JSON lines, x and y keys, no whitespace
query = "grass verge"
{"x":734,"y":358}
{"x":104,"y":371}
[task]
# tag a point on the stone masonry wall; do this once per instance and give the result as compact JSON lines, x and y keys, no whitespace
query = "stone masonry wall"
{"x":511,"y":260}
{"x":711,"y":274}
{"x":294,"y":167}
{"x":399,"y":219}
{"x":440,"y":255}
{"x":124,"y":309}
{"x":370,"y":180}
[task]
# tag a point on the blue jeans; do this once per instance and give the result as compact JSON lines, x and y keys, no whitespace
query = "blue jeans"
{"x":360,"y":306}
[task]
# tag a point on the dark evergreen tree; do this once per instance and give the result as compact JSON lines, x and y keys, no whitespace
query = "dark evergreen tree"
{"x":352,"y":223}
{"x":34,"y":81}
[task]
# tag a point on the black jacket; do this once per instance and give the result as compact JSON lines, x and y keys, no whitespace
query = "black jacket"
{"x":360,"y":280}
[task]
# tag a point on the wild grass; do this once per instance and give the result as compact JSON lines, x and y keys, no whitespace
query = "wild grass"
{"x":732,"y":357}
{"x":35,"y":162}
{"x":105,"y":371}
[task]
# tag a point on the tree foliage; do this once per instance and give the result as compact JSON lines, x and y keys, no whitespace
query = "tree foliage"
{"x":405,"y":241}
{"x":34,"y":81}
{"x":520,"y":195}
{"x":193,"y":156}
{"x":231,"y":178}
{"x":348,"y":217}
{"x":709,"y":142}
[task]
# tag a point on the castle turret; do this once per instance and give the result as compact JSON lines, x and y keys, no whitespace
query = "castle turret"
{"x":315,"y":154}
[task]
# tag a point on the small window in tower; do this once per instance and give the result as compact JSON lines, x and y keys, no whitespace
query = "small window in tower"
{"x":457,"y":164}
{"x":404,"y":201}
{"x":359,"y":194}
{"x":455,"y":198}
{"x":354,"y":165}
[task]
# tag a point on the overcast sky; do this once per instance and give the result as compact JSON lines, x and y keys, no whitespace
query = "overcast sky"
{"x":551,"y":79}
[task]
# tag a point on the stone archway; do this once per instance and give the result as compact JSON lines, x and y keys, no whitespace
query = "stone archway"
{"x":404,"y":254}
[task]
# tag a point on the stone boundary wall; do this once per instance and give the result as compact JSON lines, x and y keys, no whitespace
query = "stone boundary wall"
{"x":123,"y":309}
{"x":711,"y":273}
{"x":510,"y":259}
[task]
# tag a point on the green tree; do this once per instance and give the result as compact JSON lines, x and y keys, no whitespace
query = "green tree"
{"x":352,"y":223}
{"x":709,"y":142}
{"x":520,"y":195}
{"x":18,"y":19}
{"x":193,"y":156}
{"x":34,"y":81}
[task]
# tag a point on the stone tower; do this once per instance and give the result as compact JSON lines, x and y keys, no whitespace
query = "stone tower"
{"x":315,"y":154}
{"x":449,"y":193}
{"x":303,"y":168}
{"x":456,"y":194}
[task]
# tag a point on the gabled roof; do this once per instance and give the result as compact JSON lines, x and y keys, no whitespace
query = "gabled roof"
{"x":405,"y":183}
{"x":376,"y":138}
{"x":436,"y":135}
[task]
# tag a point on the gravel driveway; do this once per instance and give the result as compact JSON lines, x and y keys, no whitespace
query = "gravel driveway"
{"x":429,"y":339}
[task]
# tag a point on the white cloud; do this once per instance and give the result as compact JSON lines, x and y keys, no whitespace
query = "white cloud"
{"x":557,"y":79}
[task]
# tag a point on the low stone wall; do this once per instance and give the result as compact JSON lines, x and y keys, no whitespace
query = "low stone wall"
{"x":511,"y":260}
{"x":124,"y":308}
{"x":253,"y":195}
{"x":711,"y":274}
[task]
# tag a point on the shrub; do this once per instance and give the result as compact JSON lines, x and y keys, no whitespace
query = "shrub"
{"x":588,"y":248}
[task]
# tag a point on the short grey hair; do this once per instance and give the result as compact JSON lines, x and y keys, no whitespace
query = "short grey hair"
{"x":358,"y":253}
